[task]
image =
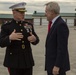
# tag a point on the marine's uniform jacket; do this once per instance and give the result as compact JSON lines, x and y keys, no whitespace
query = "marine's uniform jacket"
{"x":18,"y":53}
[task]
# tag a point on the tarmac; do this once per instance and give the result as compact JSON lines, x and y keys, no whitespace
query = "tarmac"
{"x":39,"y":52}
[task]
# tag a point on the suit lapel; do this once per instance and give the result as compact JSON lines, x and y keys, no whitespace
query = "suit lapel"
{"x":52,"y":28}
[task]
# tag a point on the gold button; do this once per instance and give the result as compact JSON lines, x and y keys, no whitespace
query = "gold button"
{"x":22,"y":41}
{"x":23,"y":46}
{"x":20,"y":24}
{"x":16,"y":21}
{"x":21,"y":29}
{"x":10,"y":53}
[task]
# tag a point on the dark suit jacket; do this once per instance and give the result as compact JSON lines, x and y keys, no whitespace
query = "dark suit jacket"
{"x":18,"y":53}
{"x":57,"y":47}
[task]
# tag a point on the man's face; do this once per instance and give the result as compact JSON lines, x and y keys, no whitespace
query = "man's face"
{"x":18,"y":15}
{"x":49,"y":14}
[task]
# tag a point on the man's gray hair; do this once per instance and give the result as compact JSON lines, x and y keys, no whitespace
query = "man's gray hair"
{"x":53,"y":6}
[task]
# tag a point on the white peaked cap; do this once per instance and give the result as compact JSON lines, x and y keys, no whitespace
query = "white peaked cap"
{"x":18,"y":6}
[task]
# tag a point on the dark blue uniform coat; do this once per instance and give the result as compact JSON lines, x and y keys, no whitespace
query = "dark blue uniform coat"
{"x":18,"y":53}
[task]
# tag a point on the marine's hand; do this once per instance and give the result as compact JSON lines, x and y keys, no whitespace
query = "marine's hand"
{"x":55,"y":70}
{"x":31,"y":38}
{"x":15,"y":36}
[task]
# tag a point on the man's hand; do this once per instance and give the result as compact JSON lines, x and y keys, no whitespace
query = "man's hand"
{"x":15,"y":36}
{"x":55,"y":70}
{"x":31,"y":38}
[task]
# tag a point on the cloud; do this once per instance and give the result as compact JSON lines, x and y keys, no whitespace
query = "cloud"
{"x":38,"y":6}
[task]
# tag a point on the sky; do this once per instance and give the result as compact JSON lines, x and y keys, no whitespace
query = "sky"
{"x":38,"y":0}
{"x":66,"y":6}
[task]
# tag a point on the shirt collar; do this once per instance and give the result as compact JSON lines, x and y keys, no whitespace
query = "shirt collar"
{"x":55,"y":19}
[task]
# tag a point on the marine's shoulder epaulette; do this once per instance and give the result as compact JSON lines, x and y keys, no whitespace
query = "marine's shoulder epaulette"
{"x":7,"y":22}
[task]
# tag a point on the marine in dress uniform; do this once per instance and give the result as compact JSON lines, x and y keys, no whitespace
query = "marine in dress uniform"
{"x":18,"y":56}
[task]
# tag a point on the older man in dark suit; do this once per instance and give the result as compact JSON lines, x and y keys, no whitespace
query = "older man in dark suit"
{"x":57,"y":57}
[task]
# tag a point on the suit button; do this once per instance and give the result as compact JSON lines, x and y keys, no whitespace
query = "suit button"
{"x":10,"y":53}
{"x":23,"y":46}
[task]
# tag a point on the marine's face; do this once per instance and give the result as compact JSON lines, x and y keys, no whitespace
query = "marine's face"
{"x":18,"y":15}
{"x":49,"y":14}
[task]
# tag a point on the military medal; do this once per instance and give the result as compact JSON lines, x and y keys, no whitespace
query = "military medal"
{"x":28,"y":28}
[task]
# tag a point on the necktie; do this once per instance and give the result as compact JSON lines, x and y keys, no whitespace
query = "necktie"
{"x":49,"y":25}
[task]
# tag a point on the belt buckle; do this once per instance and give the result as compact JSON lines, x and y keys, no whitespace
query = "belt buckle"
{"x":23,"y":46}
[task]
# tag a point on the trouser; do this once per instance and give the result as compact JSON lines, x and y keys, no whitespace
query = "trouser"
{"x":57,"y":74}
{"x":26,"y":71}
